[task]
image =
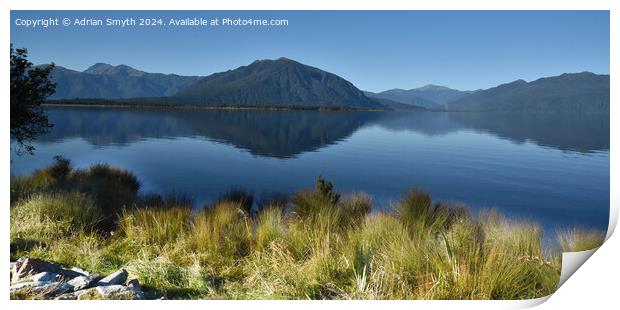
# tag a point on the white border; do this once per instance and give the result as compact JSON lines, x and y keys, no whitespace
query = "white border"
{"x":594,"y":285}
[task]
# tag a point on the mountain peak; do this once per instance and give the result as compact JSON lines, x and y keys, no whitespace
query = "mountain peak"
{"x":104,"y":68}
{"x":277,"y":82}
{"x":284,"y":59}
{"x":98,"y":67}
{"x":430,"y":87}
{"x":280,"y":60}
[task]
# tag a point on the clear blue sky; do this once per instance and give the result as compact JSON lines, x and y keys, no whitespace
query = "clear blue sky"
{"x":374,"y":50}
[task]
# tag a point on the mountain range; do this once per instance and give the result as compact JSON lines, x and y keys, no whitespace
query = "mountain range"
{"x":288,"y":83}
{"x":103,"y":81}
{"x":580,"y":92}
{"x":429,"y":96}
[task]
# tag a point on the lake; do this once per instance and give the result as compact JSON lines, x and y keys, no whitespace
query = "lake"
{"x":552,"y":168}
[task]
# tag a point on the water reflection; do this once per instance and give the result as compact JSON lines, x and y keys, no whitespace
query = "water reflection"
{"x":285,"y":134}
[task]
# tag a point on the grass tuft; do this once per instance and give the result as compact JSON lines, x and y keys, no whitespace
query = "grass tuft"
{"x":579,"y":239}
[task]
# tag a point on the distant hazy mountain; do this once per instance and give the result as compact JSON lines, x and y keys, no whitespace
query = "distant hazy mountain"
{"x":276,"y":82}
{"x":103,"y":81}
{"x":396,"y":106}
{"x":429,"y":96}
{"x":403,"y":99}
{"x":586,"y":92}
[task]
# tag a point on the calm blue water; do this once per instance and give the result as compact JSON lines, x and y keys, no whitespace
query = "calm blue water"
{"x":547,"y":167}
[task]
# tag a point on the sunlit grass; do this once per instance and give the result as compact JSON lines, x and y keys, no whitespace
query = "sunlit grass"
{"x":320,"y":244}
{"x":578,"y":239}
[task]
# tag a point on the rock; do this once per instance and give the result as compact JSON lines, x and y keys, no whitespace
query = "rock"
{"x":36,"y":279}
{"x":118,"y":277}
{"x":41,"y":289}
{"x":45,"y":277}
{"x":55,"y":289}
{"x":134,"y":285}
{"x":108,"y":290}
{"x":82,"y":282}
{"x":23,"y":285}
{"x":67,"y":296}
{"x":12,"y":265}
{"x":80,"y":270}
{"x":26,"y":267}
{"x":114,"y":291}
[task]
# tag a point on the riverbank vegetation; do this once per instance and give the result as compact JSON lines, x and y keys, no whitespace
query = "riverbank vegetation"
{"x":318,"y":243}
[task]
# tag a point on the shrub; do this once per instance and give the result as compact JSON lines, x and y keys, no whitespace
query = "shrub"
{"x":60,"y":169}
{"x":420,"y":216}
{"x":309,"y":202}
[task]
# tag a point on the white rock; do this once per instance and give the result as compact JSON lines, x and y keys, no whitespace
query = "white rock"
{"x":45,"y":277}
{"x":48,"y":289}
{"x":22,"y":285}
{"x":81,"y":282}
{"x":80,"y":270}
{"x":108,"y":290}
{"x":118,"y":277}
{"x":115,"y":291}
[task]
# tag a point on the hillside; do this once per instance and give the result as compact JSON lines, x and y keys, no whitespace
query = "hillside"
{"x":574,"y":92}
{"x":276,"y":82}
{"x":103,"y":81}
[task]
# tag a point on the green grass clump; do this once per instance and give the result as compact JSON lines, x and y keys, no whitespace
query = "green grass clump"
{"x":50,"y":215}
{"x":111,"y":189}
{"x":155,"y":226}
{"x":579,"y":239}
{"x":320,"y":244}
{"x":221,"y":232}
{"x":270,"y":227}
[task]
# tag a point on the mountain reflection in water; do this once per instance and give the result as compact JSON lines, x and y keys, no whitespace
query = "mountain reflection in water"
{"x":285,"y":134}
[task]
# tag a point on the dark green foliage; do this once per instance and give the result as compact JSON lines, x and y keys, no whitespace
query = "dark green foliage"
{"x":310,"y":202}
{"x":417,"y":211}
{"x":61,"y":168}
{"x":29,"y":89}
{"x":326,"y":191}
{"x":111,"y":188}
{"x":578,"y":92}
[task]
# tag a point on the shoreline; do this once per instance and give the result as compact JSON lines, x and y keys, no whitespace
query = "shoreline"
{"x":213,"y":107}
